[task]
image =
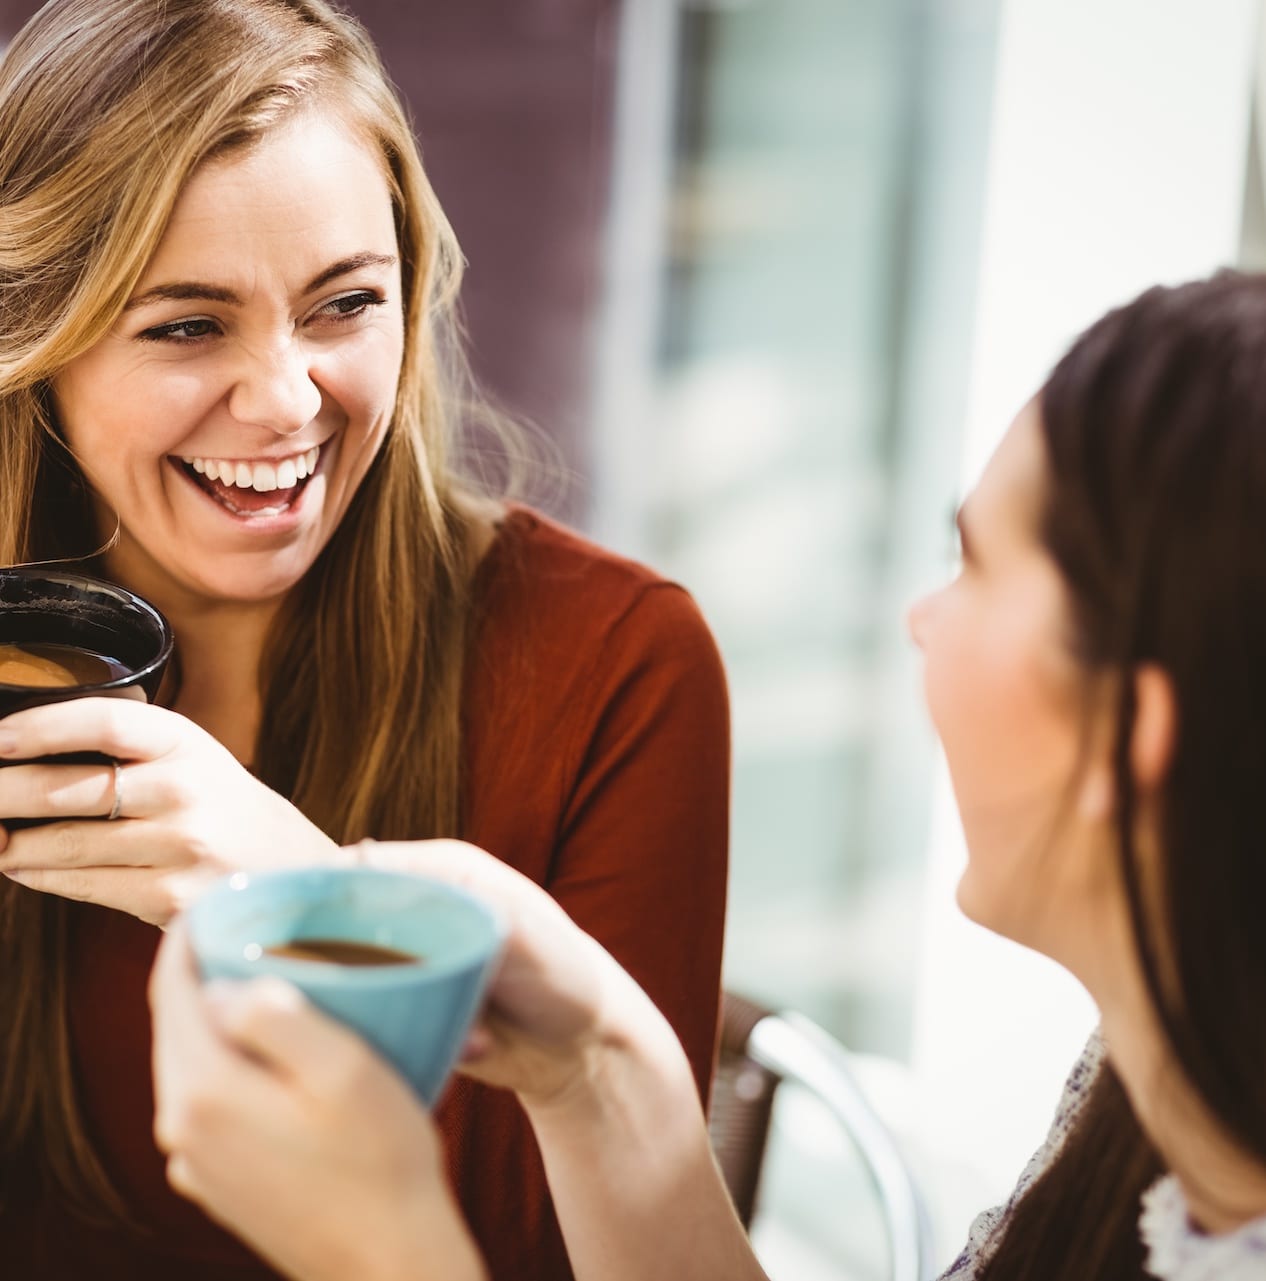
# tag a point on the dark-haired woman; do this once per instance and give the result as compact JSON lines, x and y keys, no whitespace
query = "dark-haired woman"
{"x":1097,"y":675}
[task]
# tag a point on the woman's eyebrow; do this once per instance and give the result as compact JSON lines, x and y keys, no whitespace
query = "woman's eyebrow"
{"x":353,"y":263}
{"x":196,"y":291}
{"x":183,"y":291}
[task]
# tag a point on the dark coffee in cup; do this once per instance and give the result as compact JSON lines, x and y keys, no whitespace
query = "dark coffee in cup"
{"x":341,"y":952}
{"x":110,"y":640}
{"x":65,"y":635}
{"x":55,"y":666}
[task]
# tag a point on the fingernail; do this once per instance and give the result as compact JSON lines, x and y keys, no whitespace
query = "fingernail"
{"x":218,"y":993}
{"x":219,"y":999}
{"x":22,"y":878}
{"x":478,"y":1045}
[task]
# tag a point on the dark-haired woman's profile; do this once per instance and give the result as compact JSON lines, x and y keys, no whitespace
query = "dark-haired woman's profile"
{"x":1096,"y":672}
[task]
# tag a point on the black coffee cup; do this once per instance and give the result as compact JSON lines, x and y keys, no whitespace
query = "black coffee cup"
{"x":44,"y":606}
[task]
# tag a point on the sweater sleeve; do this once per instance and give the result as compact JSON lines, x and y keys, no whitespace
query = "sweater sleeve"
{"x":642,"y":852}
{"x":600,"y":767}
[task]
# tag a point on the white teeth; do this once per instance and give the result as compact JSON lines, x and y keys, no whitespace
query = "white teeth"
{"x":261,"y":477}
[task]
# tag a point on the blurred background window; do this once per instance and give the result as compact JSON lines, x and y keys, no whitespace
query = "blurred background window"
{"x":809,"y":375}
{"x":786,"y":441}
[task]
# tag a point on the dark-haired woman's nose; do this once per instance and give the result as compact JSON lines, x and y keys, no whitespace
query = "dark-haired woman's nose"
{"x":918,"y":617}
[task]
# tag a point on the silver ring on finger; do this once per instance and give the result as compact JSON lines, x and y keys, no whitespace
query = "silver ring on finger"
{"x":116,"y":805}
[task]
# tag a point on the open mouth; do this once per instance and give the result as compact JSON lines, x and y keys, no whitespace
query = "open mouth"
{"x":253,"y":489}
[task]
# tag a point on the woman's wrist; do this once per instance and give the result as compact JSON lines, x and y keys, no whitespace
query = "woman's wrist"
{"x":628,"y":1160}
{"x":631,"y":1053}
{"x":432,"y":1244}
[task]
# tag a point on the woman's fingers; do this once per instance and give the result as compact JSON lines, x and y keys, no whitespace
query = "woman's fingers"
{"x":123,"y":865}
{"x":270,"y":1021}
{"x":467,"y":867}
{"x":267,"y":1109}
{"x":144,"y":892}
{"x":546,"y":1000}
{"x":120,"y":727}
{"x":57,"y":791}
{"x":265,"y":1022}
{"x":126,"y":789}
{"x":180,"y":821}
{"x":174,"y":993}
{"x":187,"y":1051}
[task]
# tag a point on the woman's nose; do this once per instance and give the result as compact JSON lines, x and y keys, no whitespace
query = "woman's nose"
{"x":275,"y":389}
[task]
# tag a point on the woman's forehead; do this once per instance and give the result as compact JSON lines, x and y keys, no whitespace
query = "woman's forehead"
{"x":1012,"y":486}
{"x":312,"y":191}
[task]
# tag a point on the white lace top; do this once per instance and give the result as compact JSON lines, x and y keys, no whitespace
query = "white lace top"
{"x":1175,"y":1250}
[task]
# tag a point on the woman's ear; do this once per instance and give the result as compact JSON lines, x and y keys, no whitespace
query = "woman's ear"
{"x":1151,"y":747}
{"x":1155,"y":731}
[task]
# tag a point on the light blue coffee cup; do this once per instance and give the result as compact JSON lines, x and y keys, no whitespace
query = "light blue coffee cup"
{"x":415,"y":1014}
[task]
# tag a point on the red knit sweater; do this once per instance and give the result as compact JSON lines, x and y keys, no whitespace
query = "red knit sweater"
{"x":596,"y":762}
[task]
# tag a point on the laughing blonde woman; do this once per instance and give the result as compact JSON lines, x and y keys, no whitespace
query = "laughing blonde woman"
{"x":225,"y":344}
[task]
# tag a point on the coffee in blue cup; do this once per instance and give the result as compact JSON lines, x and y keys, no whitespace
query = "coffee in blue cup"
{"x":402,"y":960}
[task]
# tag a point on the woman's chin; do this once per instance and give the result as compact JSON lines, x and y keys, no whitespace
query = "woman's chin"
{"x":966,"y":896}
{"x":233,"y":585}
{"x":983,"y":908}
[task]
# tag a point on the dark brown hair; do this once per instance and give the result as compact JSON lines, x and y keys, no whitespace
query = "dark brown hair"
{"x":1155,"y":433}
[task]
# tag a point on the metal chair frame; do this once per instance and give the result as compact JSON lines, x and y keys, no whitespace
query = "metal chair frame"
{"x":760,"y":1050}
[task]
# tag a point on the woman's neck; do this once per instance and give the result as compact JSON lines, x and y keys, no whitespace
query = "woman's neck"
{"x":1224,"y":1185}
{"x":214,"y":679}
{"x":219,"y":675}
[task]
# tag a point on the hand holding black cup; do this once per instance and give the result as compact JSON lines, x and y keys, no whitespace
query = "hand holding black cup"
{"x":66,"y":635}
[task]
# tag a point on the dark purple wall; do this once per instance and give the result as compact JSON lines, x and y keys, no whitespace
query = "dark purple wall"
{"x":513,"y":103}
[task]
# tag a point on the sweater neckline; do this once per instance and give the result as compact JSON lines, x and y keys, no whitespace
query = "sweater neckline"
{"x":1177,"y":1251}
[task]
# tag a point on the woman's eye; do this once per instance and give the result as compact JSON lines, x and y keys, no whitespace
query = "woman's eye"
{"x":349,"y":306}
{"x":955,"y":548}
{"x":180,"y":331}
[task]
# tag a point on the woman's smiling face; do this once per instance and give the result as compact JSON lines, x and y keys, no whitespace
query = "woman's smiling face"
{"x":234,"y":408}
{"x":1008,"y":701}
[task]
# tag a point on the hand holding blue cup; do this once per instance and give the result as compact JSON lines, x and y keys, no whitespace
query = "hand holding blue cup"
{"x":402,"y":960}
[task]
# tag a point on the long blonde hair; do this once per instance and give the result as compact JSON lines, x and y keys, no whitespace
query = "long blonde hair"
{"x":106,"y":108}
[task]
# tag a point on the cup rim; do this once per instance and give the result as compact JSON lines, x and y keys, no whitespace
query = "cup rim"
{"x":367,"y":976}
{"x":73,"y":578}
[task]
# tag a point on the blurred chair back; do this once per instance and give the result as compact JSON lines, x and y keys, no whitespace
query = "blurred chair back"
{"x":759,"y":1050}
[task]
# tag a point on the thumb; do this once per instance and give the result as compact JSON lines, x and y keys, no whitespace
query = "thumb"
{"x":271,"y":1021}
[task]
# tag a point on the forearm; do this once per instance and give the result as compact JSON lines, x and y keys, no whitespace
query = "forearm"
{"x":426,"y":1242}
{"x":634,"y":1183}
{"x":433,"y":1245}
